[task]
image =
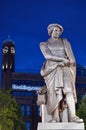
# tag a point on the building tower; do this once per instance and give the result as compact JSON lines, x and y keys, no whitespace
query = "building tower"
{"x":8,"y":55}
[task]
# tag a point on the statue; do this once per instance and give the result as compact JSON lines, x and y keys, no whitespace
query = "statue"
{"x":59,"y":73}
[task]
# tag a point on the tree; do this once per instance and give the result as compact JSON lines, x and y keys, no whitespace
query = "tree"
{"x":81,"y":112}
{"x":10,"y":113}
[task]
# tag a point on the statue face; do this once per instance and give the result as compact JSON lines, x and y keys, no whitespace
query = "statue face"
{"x":56,"y":32}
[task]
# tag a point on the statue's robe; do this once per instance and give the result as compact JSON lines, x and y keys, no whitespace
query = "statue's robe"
{"x":59,"y":78}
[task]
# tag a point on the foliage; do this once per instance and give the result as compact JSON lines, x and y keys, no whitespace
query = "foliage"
{"x":81,"y":112}
{"x":78,"y":102}
{"x":10,"y":113}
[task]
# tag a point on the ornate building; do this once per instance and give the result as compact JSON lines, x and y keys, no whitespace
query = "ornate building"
{"x":25,"y":86}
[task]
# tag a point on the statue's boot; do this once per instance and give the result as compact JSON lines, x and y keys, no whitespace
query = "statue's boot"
{"x":76,"y":119}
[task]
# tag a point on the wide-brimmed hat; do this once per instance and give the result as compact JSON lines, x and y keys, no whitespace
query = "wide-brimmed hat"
{"x":51,"y":27}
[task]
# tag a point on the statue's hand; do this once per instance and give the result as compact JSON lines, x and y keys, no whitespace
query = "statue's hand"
{"x":72,"y":63}
{"x":66,"y":62}
{"x":61,"y":64}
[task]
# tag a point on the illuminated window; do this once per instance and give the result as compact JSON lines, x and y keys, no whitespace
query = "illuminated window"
{"x":28,"y":94}
{"x":28,"y":125}
{"x":81,"y":96}
{"x":18,"y":93}
{"x":14,"y":93}
{"x":23,"y":110}
{"x":38,"y":111}
{"x":22,"y":93}
{"x":27,"y":110}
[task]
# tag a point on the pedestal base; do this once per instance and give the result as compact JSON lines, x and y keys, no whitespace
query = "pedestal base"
{"x":60,"y":126}
{"x":47,"y":118}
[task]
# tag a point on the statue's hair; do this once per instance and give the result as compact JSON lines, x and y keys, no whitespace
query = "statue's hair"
{"x":51,"y":27}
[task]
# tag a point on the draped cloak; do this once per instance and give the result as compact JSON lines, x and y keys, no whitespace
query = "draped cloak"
{"x":59,"y":79}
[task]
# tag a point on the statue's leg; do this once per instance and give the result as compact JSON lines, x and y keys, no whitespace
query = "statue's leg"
{"x":71,"y":104}
{"x":56,"y":117}
{"x":71,"y":109}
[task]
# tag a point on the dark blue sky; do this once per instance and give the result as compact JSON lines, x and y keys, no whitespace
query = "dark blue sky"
{"x":26,"y":22}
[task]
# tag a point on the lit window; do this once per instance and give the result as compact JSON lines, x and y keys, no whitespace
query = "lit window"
{"x":14,"y":93}
{"x":27,"y":110}
{"x":81,"y":96}
{"x":28,"y":125}
{"x":22,"y":94}
{"x":18,"y":93}
{"x":38,"y":111}
{"x":28,"y":94}
{"x":23,"y":110}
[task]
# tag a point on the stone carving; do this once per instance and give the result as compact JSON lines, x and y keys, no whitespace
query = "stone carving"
{"x":59,"y":73}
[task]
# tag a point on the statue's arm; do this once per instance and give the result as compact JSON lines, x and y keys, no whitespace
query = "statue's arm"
{"x":70,"y":53}
{"x":47,"y":53}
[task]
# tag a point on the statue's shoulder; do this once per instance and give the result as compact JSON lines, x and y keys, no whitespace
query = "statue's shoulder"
{"x":65,"y":41}
{"x":43,"y":44}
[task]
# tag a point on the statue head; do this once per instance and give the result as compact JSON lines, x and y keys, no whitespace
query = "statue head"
{"x":55,"y":30}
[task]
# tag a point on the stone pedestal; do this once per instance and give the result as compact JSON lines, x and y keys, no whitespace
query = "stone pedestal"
{"x":47,"y":118}
{"x":60,"y":126}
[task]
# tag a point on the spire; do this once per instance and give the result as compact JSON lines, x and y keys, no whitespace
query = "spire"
{"x":9,"y":39}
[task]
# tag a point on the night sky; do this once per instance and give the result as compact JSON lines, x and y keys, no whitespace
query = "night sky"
{"x":26,"y":22}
